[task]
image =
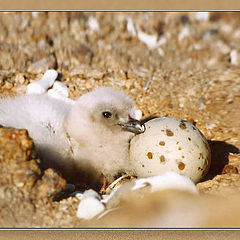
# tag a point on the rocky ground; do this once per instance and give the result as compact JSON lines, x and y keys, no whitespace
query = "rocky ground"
{"x":171,"y":64}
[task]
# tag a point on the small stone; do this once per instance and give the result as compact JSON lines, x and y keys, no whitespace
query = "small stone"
{"x":229,"y":169}
{"x":19,"y":79}
{"x":15,"y":145}
{"x":202,"y":16}
{"x":7,"y":86}
{"x":95,"y":74}
{"x":234,"y":57}
{"x":42,"y":65}
{"x":70,"y":187}
{"x":50,"y":184}
{"x":222,"y":47}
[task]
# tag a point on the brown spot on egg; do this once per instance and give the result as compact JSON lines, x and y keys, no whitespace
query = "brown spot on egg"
{"x":181,"y":165}
{"x":149,"y":155}
{"x":183,"y":157}
{"x":169,"y":133}
{"x":162,"y":159}
{"x":179,"y":148}
{"x":189,"y":139}
{"x":182,"y":125}
{"x":162,"y":143}
{"x":143,"y":165}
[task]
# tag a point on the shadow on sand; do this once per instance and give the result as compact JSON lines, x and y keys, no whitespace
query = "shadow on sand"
{"x":219,"y":153}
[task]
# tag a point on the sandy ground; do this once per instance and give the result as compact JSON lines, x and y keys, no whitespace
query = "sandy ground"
{"x":184,"y":65}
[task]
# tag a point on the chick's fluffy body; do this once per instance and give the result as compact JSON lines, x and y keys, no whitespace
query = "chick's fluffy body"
{"x":70,"y":136}
{"x":105,"y":143}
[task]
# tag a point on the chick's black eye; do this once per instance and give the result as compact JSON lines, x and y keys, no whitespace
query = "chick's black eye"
{"x":107,"y":114}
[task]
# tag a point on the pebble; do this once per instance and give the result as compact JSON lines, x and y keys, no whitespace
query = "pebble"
{"x":229,"y":169}
{"x":42,"y":65}
{"x":158,"y":183}
{"x":93,"y":24}
{"x":90,"y":205}
{"x":60,"y":91}
{"x":151,"y":41}
{"x":184,"y":33}
{"x":19,"y":79}
{"x":95,"y":74}
{"x":168,"y":180}
{"x":202,"y":16}
{"x":222,"y":47}
{"x":234,"y":57}
{"x":7,"y":85}
{"x":70,"y":187}
{"x":130,"y":27}
{"x":41,"y":86}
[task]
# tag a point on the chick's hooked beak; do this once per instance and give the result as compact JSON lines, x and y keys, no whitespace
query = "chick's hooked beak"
{"x":133,"y":126}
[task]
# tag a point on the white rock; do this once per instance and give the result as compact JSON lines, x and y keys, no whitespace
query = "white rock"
{"x":130,"y":27}
{"x":60,"y":91}
{"x":19,"y":78}
{"x":151,"y":40}
{"x":202,"y":16}
{"x":210,"y":125}
{"x":168,"y":180}
{"x":42,"y":65}
{"x":35,"y":88}
{"x":161,"y":182}
{"x":184,"y":33}
{"x":93,"y":24}
{"x":90,"y":205}
{"x":35,"y":14}
{"x":234,"y":57}
{"x":236,"y":33}
{"x":222,"y":47}
{"x":161,"y":52}
{"x":138,"y":114}
{"x":41,"y":86}
{"x":226,"y":28}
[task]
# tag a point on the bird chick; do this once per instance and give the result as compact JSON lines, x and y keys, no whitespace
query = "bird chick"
{"x":100,"y":126}
{"x":88,"y":137}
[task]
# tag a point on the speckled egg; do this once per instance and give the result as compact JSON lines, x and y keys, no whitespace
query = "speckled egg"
{"x":170,"y":144}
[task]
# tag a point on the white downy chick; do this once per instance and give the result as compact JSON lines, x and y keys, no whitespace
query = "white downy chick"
{"x":100,"y":137}
{"x":91,"y":134}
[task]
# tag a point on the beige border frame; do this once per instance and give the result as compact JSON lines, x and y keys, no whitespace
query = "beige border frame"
{"x":170,"y":5}
{"x":120,"y":234}
{"x":120,"y":5}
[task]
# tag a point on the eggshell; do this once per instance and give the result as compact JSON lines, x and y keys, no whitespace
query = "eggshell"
{"x":170,"y":144}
